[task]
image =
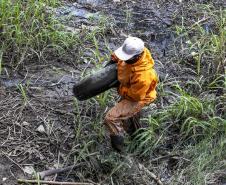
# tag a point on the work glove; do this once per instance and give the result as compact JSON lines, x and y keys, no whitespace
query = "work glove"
{"x":109,"y":63}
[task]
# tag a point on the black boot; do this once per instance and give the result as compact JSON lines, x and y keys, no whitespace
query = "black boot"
{"x":117,"y":142}
{"x":133,"y":124}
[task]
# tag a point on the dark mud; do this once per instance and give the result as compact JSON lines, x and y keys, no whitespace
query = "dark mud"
{"x":51,"y":129}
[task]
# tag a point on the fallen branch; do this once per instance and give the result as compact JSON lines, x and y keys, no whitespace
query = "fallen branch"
{"x":43,"y":174}
{"x":152,"y":175}
{"x":51,"y":182}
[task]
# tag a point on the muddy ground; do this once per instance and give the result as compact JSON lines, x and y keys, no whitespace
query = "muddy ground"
{"x":50,"y":128}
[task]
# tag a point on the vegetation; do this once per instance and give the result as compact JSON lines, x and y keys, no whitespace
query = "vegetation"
{"x":183,"y":140}
{"x":28,"y":32}
{"x":195,"y":123}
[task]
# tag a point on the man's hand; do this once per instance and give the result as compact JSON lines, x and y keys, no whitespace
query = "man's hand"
{"x":109,"y":63}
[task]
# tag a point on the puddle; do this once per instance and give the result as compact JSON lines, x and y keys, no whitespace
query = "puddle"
{"x":52,"y":86}
{"x":92,"y":2}
{"x":70,"y":11}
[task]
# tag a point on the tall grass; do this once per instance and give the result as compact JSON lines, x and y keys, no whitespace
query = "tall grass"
{"x":206,"y":41}
{"x":23,"y":92}
{"x":191,"y":118}
{"x":191,"y":126}
{"x":206,"y":161}
{"x":1,"y":61}
{"x":26,"y":28}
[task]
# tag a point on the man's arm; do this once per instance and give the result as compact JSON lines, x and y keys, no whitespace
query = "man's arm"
{"x":138,"y":88}
{"x":113,"y":60}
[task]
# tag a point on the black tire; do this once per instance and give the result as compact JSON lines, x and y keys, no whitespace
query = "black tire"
{"x":96,"y":83}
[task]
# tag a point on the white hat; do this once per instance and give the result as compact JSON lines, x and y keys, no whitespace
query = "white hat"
{"x":132,"y":46}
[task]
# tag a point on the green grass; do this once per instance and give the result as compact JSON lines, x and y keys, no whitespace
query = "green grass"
{"x":28,"y":32}
{"x":1,"y":61}
{"x":26,"y":29}
{"x":192,"y":120}
{"x":206,"y":160}
{"x":206,"y":42}
{"x":193,"y":124}
{"x":23,"y":92}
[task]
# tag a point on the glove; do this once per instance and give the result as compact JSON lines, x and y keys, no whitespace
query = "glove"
{"x":109,"y":63}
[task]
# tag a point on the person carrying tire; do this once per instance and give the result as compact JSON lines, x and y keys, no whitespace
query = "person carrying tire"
{"x":138,"y":81}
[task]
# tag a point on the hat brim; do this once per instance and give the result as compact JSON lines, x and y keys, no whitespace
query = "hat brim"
{"x":122,"y":55}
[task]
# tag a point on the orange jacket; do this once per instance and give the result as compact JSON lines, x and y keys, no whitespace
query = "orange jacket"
{"x":139,"y":80}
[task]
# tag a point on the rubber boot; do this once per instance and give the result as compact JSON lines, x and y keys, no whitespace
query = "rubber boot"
{"x":132,"y":124}
{"x":117,"y":142}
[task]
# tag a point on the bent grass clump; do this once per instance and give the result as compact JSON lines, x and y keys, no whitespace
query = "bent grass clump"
{"x":192,"y":127}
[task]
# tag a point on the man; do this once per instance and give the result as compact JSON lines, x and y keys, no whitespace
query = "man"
{"x":138,"y":82}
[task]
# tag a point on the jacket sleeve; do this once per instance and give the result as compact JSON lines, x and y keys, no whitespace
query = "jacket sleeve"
{"x":140,"y":84}
{"x":114,"y":58}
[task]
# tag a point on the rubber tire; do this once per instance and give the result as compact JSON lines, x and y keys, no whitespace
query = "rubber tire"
{"x":96,"y":83}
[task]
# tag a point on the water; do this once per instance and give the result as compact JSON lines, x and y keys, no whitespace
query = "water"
{"x":92,"y":2}
{"x":73,"y":11}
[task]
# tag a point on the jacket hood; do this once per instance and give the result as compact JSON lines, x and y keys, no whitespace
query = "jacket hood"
{"x":145,"y":62}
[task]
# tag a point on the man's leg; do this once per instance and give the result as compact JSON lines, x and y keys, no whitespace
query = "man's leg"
{"x":132,"y":124}
{"x":123,"y":110}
